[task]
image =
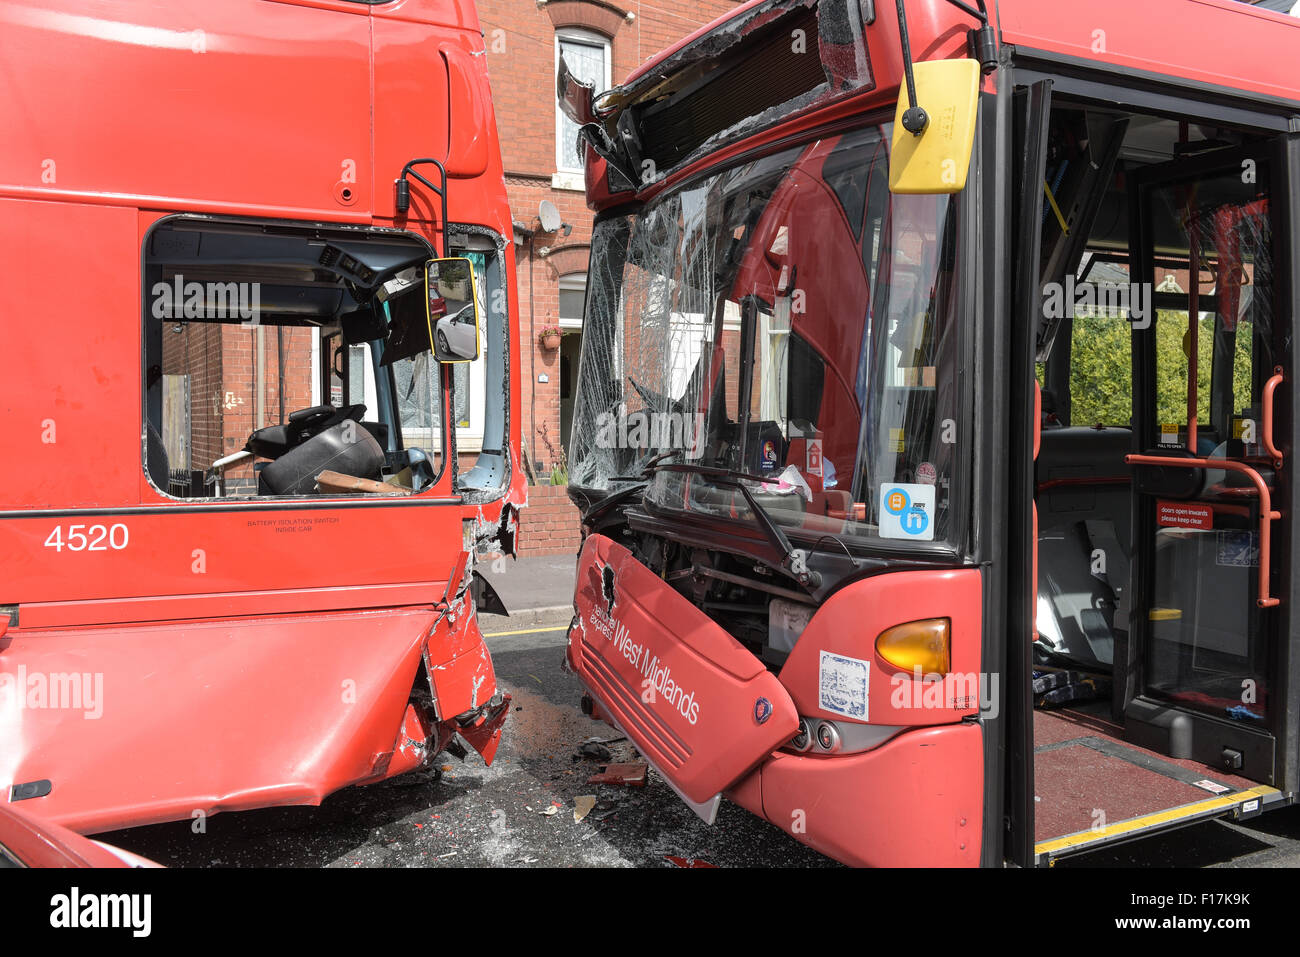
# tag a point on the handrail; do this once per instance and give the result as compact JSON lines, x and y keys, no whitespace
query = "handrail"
{"x":1266,"y":437}
{"x":1266,"y":513}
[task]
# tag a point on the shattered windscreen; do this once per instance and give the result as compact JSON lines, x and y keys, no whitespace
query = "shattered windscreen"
{"x":767,"y":64}
{"x":787,"y":321}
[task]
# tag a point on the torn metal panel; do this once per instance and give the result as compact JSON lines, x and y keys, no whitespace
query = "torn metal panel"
{"x":484,"y":732}
{"x":574,"y":95}
{"x":418,"y":741}
{"x":495,"y":525}
{"x":461,"y":677}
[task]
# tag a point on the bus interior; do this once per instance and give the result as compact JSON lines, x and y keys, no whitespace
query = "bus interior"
{"x":286,"y":361}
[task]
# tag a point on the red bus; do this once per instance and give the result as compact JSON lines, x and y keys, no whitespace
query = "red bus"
{"x":934,"y":421}
{"x":246,"y":473}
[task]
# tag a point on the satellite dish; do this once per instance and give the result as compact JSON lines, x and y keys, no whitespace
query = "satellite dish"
{"x":549,"y":215}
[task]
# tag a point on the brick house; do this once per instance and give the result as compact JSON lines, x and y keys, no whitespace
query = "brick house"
{"x":602,"y":42}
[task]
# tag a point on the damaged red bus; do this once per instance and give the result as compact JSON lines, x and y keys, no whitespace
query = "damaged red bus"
{"x":934,"y":422}
{"x":248,"y":470}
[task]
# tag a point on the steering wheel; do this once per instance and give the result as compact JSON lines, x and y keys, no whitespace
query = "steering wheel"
{"x":306,"y":418}
{"x":321,"y":417}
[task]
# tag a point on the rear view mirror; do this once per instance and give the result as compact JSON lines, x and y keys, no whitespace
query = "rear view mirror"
{"x":452,"y":308}
{"x":938,"y":159}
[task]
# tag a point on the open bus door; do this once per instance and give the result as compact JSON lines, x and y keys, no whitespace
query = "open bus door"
{"x":1158,"y":530}
{"x":1200,"y":679}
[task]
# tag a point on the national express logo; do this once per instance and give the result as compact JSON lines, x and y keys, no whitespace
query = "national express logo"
{"x":907,"y":511}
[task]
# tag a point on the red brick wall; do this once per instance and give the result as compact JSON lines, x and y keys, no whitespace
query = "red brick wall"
{"x":520,"y":39}
{"x":196,"y":351}
{"x":549,"y":523}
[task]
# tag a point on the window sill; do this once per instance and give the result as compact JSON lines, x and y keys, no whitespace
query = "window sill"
{"x":567,"y":179}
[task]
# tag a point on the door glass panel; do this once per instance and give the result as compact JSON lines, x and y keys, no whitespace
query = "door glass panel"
{"x":1208,"y":641}
{"x":1172,"y":365}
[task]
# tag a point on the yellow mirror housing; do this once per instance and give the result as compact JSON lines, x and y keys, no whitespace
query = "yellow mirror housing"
{"x":938,"y":160}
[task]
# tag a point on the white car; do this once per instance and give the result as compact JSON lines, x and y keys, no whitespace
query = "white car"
{"x":456,"y":335}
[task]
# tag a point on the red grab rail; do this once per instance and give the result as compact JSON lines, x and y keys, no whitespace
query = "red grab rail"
{"x":1266,"y":513}
{"x":1266,"y":427}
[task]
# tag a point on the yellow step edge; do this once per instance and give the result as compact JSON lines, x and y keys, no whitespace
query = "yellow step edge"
{"x":1150,"y":820}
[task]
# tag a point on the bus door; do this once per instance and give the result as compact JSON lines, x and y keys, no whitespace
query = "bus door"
{"x":1198,"y":678}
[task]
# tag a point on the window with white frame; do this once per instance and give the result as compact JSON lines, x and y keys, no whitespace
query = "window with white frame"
{"x":573,"y":293}
{"x":587,"y":56}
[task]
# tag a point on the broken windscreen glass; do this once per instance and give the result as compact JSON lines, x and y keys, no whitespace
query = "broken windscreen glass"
{"x":790,"y":319}
{"x":767,"y":64}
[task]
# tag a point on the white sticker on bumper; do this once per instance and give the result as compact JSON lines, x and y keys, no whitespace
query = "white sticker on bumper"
{"x":843,"y":685}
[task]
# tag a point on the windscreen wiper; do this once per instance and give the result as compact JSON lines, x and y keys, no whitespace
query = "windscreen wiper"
{"x":646,"y":469}
{"x":793,"y":560}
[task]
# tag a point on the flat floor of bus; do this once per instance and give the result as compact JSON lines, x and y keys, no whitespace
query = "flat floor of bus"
{"x":1093,"y":789}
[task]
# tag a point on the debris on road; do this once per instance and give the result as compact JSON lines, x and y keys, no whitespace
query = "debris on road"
{"x":631,"y":774}
{"x":582,"y":806}
{"x":688,"y":861}
{"x":595,"y":751}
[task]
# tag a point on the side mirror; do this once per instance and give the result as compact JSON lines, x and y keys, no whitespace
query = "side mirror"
{"x":452,"y":307}
{"x":938,"y":159}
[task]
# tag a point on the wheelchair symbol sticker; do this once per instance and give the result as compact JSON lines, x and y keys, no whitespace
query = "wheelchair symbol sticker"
{"x":907,"y":511}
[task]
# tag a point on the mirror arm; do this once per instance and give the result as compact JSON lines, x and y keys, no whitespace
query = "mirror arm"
{"x":983,"y":47}
{"x":982,"y":14}
{"x":403,"y":192}
{"x":915,"y":119}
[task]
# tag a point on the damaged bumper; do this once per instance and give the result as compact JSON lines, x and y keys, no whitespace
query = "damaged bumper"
{"x":183,"y":720}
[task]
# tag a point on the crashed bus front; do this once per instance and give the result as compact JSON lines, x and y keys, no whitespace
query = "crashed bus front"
{"x":237,"y":544}
{"x":769,"y":352}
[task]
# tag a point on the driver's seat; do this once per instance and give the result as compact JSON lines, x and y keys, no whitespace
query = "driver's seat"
{"x":350,"y":450}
